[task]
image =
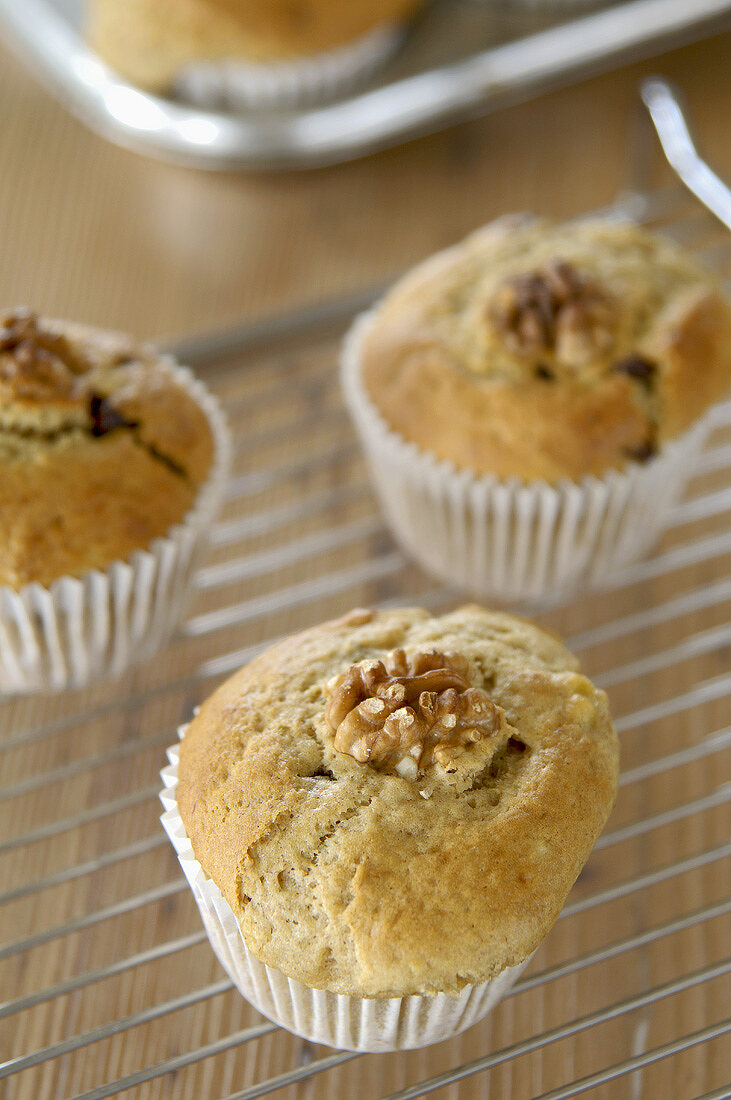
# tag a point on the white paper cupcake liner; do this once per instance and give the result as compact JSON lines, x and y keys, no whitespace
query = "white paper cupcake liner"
{"x":81,"y":629}
{"x":509,"y":539}
{"x":347,"y":1023}
{"x":293,"y":83}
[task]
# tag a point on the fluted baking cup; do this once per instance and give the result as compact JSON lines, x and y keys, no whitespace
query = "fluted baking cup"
{"x":347,"y":1023}
{"x":292,"y":83}
{"x":506,"y":538}
{"x":80,"y":629}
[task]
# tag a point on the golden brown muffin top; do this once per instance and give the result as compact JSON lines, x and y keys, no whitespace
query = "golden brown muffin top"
{"x":101,"y":448}
{"x":540,"y":350}
{"x":395,"y":803}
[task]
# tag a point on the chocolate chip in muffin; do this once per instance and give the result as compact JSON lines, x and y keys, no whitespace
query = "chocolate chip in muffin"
{"x":644,"y":452}
{"x":637,"y":367}
{"x":323,"y":773}
{"x":544,"y":373}
{"x":514,"y":749}
{"x":106,"y":417}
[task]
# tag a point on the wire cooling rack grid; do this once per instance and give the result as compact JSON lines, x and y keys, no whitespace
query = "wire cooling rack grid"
{"x":107,"y":983}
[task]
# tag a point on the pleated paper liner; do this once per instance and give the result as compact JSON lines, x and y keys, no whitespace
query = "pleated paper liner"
{"x":299,"y":82}
{"x":344,"y":1022}
{"x":505,"y":538}
{"x":81,"y":629}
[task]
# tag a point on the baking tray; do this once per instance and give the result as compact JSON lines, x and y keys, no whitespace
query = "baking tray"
{"x":462,"y":58}
{"x":107,"y":984}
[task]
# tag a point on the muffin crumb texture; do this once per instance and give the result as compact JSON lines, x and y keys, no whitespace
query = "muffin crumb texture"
{"x":545,"y":351}
{"x":102,"y":450}
{"x":395,"y":803}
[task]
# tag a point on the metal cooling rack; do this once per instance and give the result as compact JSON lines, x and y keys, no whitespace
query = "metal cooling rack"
{"x":107,"y":983}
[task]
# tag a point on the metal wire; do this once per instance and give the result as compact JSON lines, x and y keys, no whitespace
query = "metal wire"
{"x":170,"y":1065}
{"x":639,"y":1062}
{"x":675,"y":559}
{"x":603,"y":954}
{"x":710,"y":596}
{"x":668,"y":989}
{"x":89,"y":867}
{"x":83,"y":817}
{"x":80,"y":981}
{"x":712,"y":744}
{"x":662,"y":102}
{"x":479,"y":1065}
{"x":709,"y":690}
{"x":156,"y":893}
{"x":145,"y":1016}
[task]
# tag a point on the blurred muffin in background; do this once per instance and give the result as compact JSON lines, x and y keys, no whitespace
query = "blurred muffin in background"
{"x":248,"y":52}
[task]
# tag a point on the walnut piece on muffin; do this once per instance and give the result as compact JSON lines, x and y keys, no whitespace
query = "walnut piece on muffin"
{"x":101,"y":449}
{"x":413,"y":714}
{"x":150,"y":41}
{"x":350,"y":872}
{"x":548,"y":351}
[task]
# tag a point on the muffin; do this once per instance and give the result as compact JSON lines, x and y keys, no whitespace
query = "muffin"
{"x":381,"y":818}
{"x":111,"y":465}
{"x":250,"y":51}
{"x":531,"y":400}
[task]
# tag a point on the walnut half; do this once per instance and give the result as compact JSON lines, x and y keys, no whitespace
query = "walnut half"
{"x":34,"y":362}
{"x":405,"y":714}
{"x":554,"y":312}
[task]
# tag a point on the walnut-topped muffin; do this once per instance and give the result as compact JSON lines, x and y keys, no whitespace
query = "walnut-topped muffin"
{"x":102,"y":450}
{"x":541,"y":350}
{"x":532,"y":402}
{"x":396,"y":804}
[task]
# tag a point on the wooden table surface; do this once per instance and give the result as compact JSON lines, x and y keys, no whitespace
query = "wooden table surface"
{"x":95,"y":233}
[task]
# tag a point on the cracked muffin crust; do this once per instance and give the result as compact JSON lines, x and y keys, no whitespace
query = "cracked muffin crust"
{"x":540,"y":350}
{"x":350,"y":874}
{"x":101,"y":450}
